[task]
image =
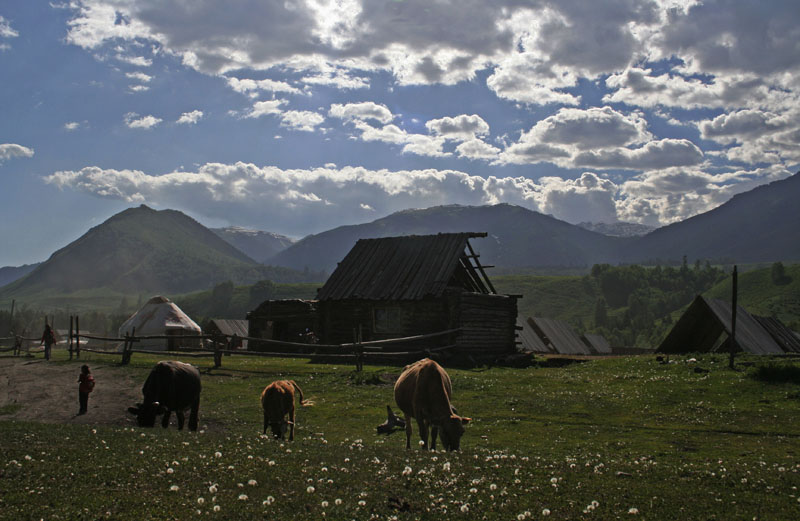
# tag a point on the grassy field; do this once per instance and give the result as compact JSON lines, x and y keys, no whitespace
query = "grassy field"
{"x":625,"y":438}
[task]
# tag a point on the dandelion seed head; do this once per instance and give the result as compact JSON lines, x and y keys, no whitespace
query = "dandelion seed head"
{"x":170,"y":470}
{"x":633,"y":511}
{"x":361,"y":503}
{"x":310,"y":489}
{"x":213,"y":489}
{"x":174,"y":488}
{"x":492,"y":487}
{"x":337,"y":502}
{"x":324,"y":504}
{"x":216,"y":508}
{"x":218,"y":454}
{"x":464,"y":508}
{"x":252,"y":483}
{"x":242,"y":497}
{"x":201,"y":500}
{"x":546,"y":512}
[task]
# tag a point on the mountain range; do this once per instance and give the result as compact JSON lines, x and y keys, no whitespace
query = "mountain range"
{"x":141,"y":249}
{"x":256,"y":244}
{"x":145,"y":250}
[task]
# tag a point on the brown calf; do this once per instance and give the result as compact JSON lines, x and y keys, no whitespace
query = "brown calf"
{"x":277,"y":400}
{"x":423,"y":392}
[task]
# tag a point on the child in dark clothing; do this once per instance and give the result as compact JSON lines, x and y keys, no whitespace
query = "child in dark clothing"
{"x":86,"y":381}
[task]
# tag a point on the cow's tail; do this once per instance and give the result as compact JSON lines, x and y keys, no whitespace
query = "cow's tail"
{"x":303,"y":402}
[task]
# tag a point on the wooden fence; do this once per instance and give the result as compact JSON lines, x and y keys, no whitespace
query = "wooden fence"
{"x":356,"y":352}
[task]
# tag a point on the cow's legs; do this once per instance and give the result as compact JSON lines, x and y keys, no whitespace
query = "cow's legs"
{"x":434,"y":434}
{"x":165,"y":420}
{"x":291,"y":420}
{"x":409,"y":431}
{"x":266,"y":421}
{"x":193,"y":415}
{"x":423,"y":432}
{"x":181,"y":418}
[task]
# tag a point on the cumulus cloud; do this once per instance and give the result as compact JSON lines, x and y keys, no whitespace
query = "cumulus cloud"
{"x":671,"y":195}
{"x":361,"y":111}
{"x":190,"y":118}
{"x":459,"y":128}
{"x":247,"y":86}
{"x":303,"y":201}
{"x":598,"y":137}
{"x":266,"y":108}
{"x":132,"y":120}
{"x":138,"y":76}
{"x":588,"y":198}
{"x":477,"y":149}
{"x":743,"y":124}
{"x":304,"y":120}
{"x":71,"y":125}
{"x":11,"y":150}
{"x":6,"y":31}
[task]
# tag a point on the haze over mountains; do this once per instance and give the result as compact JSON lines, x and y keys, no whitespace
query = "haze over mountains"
{"x":141,"y":249}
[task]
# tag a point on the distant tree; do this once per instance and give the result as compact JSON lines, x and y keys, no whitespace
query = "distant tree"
{"x":261,"y":291}
{"x":779,"y":274}
{"x":221,"y":297}
{"x":600,"y":313}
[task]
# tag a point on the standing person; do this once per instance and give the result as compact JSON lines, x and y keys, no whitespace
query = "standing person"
{"x":86,"y":381}
{"x":48,"y":339}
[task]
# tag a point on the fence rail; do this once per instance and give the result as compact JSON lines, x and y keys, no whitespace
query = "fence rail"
{"x":355,"y":351}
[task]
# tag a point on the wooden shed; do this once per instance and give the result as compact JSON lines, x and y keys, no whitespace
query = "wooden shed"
{"x":396,"y":287}
{"x":287,"y":320}
{"x":706,"y":325}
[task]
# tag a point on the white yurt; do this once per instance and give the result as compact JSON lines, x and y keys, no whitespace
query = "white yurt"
{"x":160,"y":316}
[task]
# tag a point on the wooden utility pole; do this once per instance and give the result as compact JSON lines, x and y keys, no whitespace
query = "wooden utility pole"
{"x":734,"y":306}
{"x":71,"y":326}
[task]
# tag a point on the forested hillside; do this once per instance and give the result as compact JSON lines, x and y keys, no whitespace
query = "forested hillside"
{"x":629,"y":305}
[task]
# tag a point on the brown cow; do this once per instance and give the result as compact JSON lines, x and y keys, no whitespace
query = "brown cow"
{"x":423,"y":392}
{"x":277,"y":400}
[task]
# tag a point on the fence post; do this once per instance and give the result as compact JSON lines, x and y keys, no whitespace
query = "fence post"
{"x":71,"y":324}
{"x":217,"y":354}
{"x":77,"y":338}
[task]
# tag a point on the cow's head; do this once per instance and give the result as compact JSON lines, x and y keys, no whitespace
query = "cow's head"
{"x":451,"y":431}
{"x":146,"y":413}
{"x":279,"y":428}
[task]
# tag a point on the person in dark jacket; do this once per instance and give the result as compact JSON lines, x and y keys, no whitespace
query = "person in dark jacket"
{"x":86,"y":385}
{"x":48,"y":339}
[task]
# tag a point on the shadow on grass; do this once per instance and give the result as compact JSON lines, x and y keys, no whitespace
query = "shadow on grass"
{"x":777,"y":373}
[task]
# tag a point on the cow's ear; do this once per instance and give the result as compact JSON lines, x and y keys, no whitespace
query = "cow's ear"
{"x":465,"y":420}
{"x":133,"y":410}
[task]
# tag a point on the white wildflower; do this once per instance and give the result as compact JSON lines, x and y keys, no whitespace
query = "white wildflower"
{"x":252,"y":483}
{"x":310,"y":489}
{"x":546,"y":512}
{"x":242,"y":497}
{"x":633,"y":510}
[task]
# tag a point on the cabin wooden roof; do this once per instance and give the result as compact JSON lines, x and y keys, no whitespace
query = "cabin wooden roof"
{"x":559,"y":336}
{"x":407,"y":268}
{"x":705,"y":320}
{"x":231,"y":327}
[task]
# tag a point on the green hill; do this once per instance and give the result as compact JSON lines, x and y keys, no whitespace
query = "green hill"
{"x":141,"y":251}
{"x":761,"y":295}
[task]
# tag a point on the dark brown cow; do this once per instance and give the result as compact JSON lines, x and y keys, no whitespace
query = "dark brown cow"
{"x":277,"y":400}
{"x":171,"y":386}
{"x":423,"y":392}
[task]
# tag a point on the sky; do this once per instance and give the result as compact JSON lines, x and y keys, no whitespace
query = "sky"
{"x":299,"y":116}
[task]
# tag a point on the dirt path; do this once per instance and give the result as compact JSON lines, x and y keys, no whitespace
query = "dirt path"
{"x":48,"y":392}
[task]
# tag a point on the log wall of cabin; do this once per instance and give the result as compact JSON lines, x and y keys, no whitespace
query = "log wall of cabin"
{"x":407,"y":318}
{"x":487,"y":324}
